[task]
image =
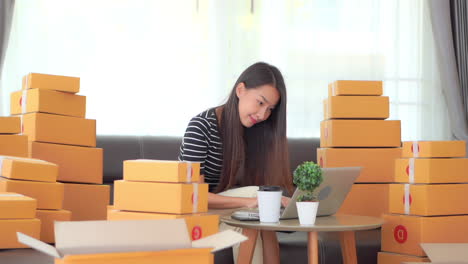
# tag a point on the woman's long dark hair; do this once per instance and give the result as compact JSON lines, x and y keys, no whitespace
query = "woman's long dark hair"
{"x":257,"y":155}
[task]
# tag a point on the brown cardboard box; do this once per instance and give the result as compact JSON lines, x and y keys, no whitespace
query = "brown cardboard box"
{"x":434,"y":149}
{"x":14,"y":145}
{"x":360,"y":133}
{"x":173,"y":198}
{"x":404,"y":234}
{"x":446,"y":253}
{"x":356,"y":107}
{"x":198,"y":225}
{"x":161,"y":171}
{"x":16,"y":206}
{"x":51,"y":82}
{"x":49,"y":195}
{"x":86,"y":201}
{"x":76,"y":164}
{"x":60,"y":129}
{"x":377,"y":163}
{"x":10,"y":125}
{"x":47,"y":101}
{"x":366,"y":199}
{"x":394,"y":258}
{"x":347,"y":87}
{"x":28,"y":169}
{"x":9,"y":227}
{"x":428,"y":199}
{"x":143,"y":242}
{"x":48,"y":217}
{"x":431,"y":170}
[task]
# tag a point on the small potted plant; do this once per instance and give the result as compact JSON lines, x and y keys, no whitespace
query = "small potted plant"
{"x":307,"y":177}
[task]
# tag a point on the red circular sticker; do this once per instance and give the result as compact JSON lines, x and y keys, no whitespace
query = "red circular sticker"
{"x":196,"y":232}
{"x":407,"y":170}
{"x":192,"y":197}
{"x":21,"y":101}
{"x":400,"y":234}
{"x":412,"y":150}
{"x":321,"y":162}
{"x":410,"y":199}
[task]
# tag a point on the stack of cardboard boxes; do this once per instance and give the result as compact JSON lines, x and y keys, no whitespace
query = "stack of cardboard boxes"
{"x":17,"y":214}
{"x":155,"y":189}
{"x":428,"y":205}
{"x":36,"y":179}
{"x":53,"y":118}
{"x":356,"y":134}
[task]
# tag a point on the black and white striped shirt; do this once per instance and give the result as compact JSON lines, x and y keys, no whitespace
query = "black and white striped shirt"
{"x":202,"y":143}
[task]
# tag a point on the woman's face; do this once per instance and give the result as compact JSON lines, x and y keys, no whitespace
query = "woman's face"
{"x":256,"y":104}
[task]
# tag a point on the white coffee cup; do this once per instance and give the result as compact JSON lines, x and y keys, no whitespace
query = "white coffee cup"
{"x":269,"y":203}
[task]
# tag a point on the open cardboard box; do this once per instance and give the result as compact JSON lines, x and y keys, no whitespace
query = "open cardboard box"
{"x":133,"y":241}
{"x":445,"y":253}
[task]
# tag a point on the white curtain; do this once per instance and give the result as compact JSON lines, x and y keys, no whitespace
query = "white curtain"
{"x":147,"y":66}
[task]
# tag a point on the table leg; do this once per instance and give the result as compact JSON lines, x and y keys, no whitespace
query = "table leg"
{"x":348,"y":247}
{"x":247,"y":248}
{"x":312,"y":247}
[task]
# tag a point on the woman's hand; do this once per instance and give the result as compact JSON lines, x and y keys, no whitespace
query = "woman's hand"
{"x":285,"y":201}
{"x":251,"y":202}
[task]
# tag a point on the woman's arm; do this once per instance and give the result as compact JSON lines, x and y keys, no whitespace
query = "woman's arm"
{"x":216,"y":201}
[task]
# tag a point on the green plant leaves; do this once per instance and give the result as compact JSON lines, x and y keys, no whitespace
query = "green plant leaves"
{"x":307,"y":177}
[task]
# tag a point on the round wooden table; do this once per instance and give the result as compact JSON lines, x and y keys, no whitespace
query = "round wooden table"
{"x":346,"y":225}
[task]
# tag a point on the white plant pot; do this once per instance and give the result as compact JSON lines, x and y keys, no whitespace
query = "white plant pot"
{"x":307,"y":212}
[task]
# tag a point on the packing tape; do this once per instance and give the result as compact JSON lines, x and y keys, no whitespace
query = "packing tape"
{"x":1,"y":165}
{"x":189,"y":171}
{"x":407,"y":199}
{"x":195,"y":198}
{"x":415,"y":149}
{"x":22,"y":126}
{"x":24,"y":101}
{"x":412,"y":170}
{"x":334,"y":88}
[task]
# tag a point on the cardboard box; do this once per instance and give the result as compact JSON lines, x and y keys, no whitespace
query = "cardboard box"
{"x":435,"y":170}
{"x":47,"y":101}
{"x":76,"y":164}
{"x":10,"y":125}
{"x":60,"y":129}
{"x":48,"y":217}
{"x":394,"y":258}
{"x":173,"y":198}
{"x":28,"y":169}
{"x":356,"y":107}
{"x":377,"y":164}
{"x":14,"y":145}
{"x":142,"y":241}
{"x":161,"y":171}
{"x":367,"y":200}
{"x":347,"y":87}
{"x":9,"y":227}
{"x":434,"y":149}
{"x":17,"y":206}
{"x":446,"y":253}
{"x":428,"y":199}
{"x":86,"y":201}
{"x":48,"y":195}
{"x":51,"y":82}
{"x":403,"y":234}
{"x":360,"y":133}
{"x":198,"y":225}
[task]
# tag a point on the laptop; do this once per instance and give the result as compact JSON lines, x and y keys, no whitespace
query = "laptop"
{"x":337,"y":183}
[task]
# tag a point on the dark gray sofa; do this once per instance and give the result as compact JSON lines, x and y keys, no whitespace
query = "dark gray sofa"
{"x":293,"y":246}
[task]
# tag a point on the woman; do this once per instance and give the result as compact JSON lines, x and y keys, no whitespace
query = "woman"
{"x":243,"y":143}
